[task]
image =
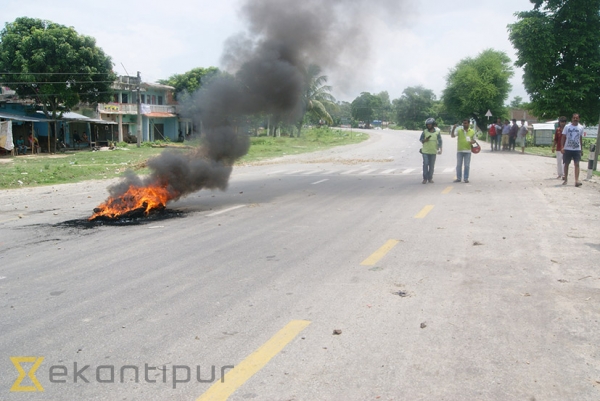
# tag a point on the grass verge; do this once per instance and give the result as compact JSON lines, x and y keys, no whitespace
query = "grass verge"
{"x":76,"y":166}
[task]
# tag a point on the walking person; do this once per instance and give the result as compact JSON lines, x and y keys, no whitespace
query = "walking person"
{"x":431,"y":139}
{"x":466,"y":138}
{"x":557,"y":147}
{"x":522,"y":136}
{"x":572,"y":139}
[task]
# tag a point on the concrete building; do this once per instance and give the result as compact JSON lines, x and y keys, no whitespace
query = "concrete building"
{"x":158,"y":110}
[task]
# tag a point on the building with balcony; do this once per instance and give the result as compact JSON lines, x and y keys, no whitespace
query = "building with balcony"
{"x":159,"y":120}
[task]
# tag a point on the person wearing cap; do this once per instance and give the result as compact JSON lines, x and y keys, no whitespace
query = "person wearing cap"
{"x":466,"y":139}
{"x":431,"y":139}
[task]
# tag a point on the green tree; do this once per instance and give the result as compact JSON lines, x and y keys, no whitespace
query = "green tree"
{"x":517,"y":102}
{"x":190,"y":81}
{"x":364,"y":107}
{"x":558,"y":47}
{"x":477,"y":85}
{"x":414,"y":107}
{"x":315,"y":97}
{"x":385,"y":111}
{"x":54,"y":65}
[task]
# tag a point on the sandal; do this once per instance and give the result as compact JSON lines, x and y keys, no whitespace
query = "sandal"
{"x":564,"y":182}
{"x":578,"y":184}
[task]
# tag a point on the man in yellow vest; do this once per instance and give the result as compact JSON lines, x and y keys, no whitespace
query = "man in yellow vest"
{"x":466,"y":137}
{"x":431,"y":139}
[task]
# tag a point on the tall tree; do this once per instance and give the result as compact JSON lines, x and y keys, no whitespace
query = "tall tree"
{"x":517,"y":102}
{"x":414,"y":107}
{"x":385,"y":112}
{"x":316,"y":96}
{"x":54,"y":65}
{"x":365,"y":107}
{"x":477,"y":85}
{"x":558,"y":46}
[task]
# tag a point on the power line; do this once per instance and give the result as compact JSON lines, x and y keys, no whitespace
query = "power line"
{"x":57,"y":73}
{"x":61,"y":94}
{"x":55,"y":82}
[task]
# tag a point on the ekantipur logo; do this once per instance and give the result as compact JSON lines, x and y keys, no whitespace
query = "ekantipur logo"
{"x":37,"y":361}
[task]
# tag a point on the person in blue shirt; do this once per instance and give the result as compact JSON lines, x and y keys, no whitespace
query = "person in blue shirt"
{"x":22,"y":149}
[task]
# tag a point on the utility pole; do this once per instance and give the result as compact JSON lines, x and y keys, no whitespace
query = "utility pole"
{"x":139,"y":110}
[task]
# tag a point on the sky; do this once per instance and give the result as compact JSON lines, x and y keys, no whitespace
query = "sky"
{"x":417,"y":46}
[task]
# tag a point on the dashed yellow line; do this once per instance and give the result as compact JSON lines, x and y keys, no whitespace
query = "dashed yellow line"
{"x":447,"y":190}
{"x":235,"y":378}
{"x":424,"y":212}
{"x":380,"y":253}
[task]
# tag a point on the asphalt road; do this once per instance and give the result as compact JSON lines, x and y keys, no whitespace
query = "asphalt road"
{"x":444,"y":291}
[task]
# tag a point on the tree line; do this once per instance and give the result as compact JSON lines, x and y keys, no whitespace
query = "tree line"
{"x":557,"y":49}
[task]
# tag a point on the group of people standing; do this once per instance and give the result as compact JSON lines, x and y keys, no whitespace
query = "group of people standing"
{"x":506,"y":136}
{"x":431,"y":139}
{"x":568,"y":145}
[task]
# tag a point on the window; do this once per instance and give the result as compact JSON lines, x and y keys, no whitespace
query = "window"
{"x":153,"y":99}
{"x":143,"y":98}
{"x":160,"y":100}
{"x":125,"y":98}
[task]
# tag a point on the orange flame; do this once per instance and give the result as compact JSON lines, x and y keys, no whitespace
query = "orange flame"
{"x":136,"y":199}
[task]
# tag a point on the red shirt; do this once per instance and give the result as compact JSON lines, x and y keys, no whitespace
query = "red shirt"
{"x":558,"y":139}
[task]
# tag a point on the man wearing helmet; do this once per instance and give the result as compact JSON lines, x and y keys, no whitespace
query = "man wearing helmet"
{"x":431,"y":139}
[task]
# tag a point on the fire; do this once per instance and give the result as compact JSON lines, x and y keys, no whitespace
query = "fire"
{"x":136,"y":201}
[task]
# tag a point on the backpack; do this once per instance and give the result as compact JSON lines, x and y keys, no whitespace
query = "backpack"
{"x":492,"y":130}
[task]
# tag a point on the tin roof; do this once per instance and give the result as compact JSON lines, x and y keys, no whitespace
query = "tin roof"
{"x":72,"y":116}
{"x":19,"y":117}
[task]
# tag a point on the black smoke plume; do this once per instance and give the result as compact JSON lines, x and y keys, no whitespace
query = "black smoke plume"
{"x":266,"y":67}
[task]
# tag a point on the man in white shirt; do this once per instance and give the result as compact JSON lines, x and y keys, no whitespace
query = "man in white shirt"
{"x":572,"y":138}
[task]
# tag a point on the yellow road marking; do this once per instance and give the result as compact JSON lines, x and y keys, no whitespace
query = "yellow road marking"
{"x":447,"y":190}
{"x":380,"y":253}
{"x":424,"y":212}
{"x":235,"y":378}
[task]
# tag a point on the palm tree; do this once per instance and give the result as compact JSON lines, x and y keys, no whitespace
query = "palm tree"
{"x":315,"y":96}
